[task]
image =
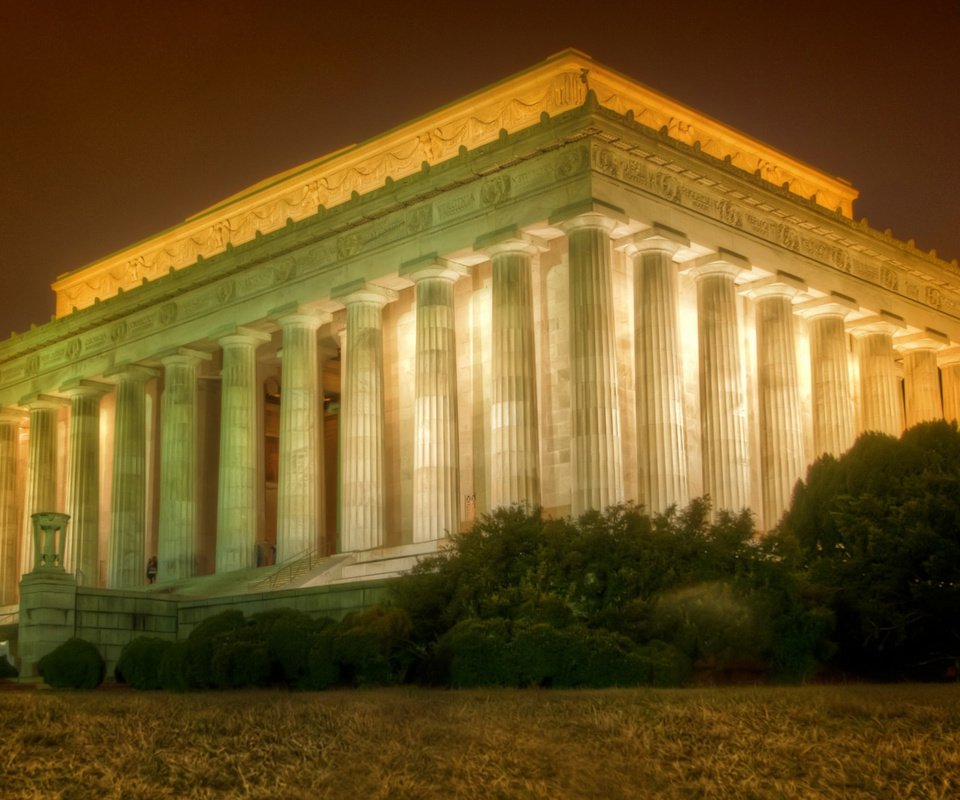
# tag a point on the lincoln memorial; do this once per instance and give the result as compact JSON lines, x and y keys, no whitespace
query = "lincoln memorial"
{"x":565,"y":290}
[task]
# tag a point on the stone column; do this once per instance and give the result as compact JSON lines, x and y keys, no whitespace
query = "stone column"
{"x":661,"y":446}
{"x":781,"y":428}
{"x":83,"y":481}
{"x":41,"y":488}
{"x":595,"y":435}
{"x":239,"y":448}
{"x":921,"y":375}
{"x":436,"y":454}
{"x":949,"y":361}
{"x":362,"y":522}
{"x":126,"y":561}
{"x":723,"y":407}
{"x":514,"y":421}
{"x":299,"y":491}
{"x":881,"y":407}
{"x":834,"y":422}
{"x":179,"y":478}
{"x":10,"y":422}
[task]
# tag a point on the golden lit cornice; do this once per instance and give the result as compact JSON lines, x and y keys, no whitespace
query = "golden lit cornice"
{"x":557,"y":85}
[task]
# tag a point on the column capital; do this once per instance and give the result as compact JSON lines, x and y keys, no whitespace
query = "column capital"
{"x":9,"y":414}
{"x":38,"y":400}
{"x":510,"y":240}
{"x":949,"y":356}
{"x":244,"y":335}
{"x":924,"y":340}
{"x":830,"y":306}
{"x":360,"y":291}
{"x":185,"y":355}
{"x":779,"y":285}
{"x":432,"y":266}
{"x":590,"y":213}
{"x":131,"y":372}
{"x":878,"y":323}
{"x":723,"y":262}
{"x":85,"y":388}
{"x":657,"y":239}
{"x":300,"y":314}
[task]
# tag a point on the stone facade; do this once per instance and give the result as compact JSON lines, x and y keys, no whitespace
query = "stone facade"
{"x":565,"y":290}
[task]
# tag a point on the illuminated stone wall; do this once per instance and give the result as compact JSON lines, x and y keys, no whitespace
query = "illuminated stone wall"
{"x":542,"y":201}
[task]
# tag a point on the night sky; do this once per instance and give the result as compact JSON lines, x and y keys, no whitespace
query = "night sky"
{"x":120,"y":119}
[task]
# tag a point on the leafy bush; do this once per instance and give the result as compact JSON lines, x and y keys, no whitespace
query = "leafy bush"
{"x":239,"y":659}
{"x":171,"y":671}
{"x":201,"y":645}
{"x":76,"y":664}
{"x":288,"y":636}
{"x":323,"y":670}
{"x":372,"y":646}
{"x":139,"y":662}
{"x":7,"y":670}
{"x":475,"y":652}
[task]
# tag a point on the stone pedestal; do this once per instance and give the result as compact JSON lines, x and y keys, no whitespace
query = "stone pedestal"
{"x":781,"y":434}
{"x":595,"y":437}
{"x":363,"y":489}
{"x":881,"y":407}
{"x":300,"y":511}
{"x":723,"y":408}
{"x":436,"y":452}
{"x":127,"y":563}
{"x":179,"y":478}
{"x":48,"y":600}
{"x":834,"y":421}
{"x":10,"y":422}
{"x":921,"y":376}
{"x":239,"y":483}
{"x":661,"y":446}
{"x":83,"y":481}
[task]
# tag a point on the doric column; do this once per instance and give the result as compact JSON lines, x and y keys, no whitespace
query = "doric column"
{"x":781,"y":434}
{"x":921,"y":375}
{"x":362,"y":522}
{"x":723,"y":409}
{"x":299,"y":491}
{"x":834,"y":422}
{"x":881,"y":408}
{"x":661,"y":446}
{"x":949,"y":361}
{"x":514,"y":421}
{"x":126,"y":564}
{"x":595,"y":436}
{"x":179,"y":479}
{"x":237,"y":495}
{"x":41,"y":489}
{"x":10,"y":422}
{"x":83,"y":480}
{"x":436,"y":459}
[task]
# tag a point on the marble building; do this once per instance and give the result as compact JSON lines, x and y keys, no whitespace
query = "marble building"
{"x":565,"y":290}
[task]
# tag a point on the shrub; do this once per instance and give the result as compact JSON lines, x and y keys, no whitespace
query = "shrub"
{"x":475,"y":652}
{"x":171,"y":673}
{"x":288,"y":636}
{"x":7,"y":670}
{"x":239,"y":659}
{"x":200,"y":647}
{"x":372,"y":646}
{"x":139,"y":662}
{"x":323,"y":671}
{"x":76,"y":664}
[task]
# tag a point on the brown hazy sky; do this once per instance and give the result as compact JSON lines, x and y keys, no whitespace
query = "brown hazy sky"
{"x":119,"y":119}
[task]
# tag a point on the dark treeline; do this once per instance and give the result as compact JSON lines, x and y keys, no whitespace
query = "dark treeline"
{"x":860,"y":580}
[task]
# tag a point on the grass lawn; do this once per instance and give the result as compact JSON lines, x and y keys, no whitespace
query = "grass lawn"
{"x":854,"y":741}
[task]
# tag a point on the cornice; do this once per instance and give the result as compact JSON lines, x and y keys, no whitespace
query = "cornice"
{"x":562,"y":83}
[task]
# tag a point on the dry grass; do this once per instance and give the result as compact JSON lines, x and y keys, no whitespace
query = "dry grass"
{"x":811,"y":742}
